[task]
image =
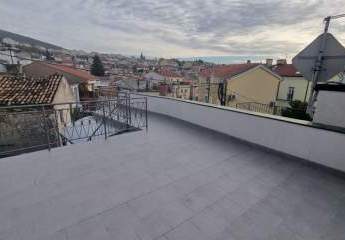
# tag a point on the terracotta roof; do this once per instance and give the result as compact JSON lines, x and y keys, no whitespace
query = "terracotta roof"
{"x":39,"y":69}
{"x":228,"y":70}
{"x":84,"y":75}
{"x":168,"y":73}
{"x":24,"y":91}
{"x":286,"y":70}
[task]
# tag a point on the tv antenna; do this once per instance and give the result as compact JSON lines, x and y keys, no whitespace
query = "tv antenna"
{"x":321,"y":60}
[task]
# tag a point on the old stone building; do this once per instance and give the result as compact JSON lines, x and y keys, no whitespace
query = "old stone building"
{"x":28,"y":109}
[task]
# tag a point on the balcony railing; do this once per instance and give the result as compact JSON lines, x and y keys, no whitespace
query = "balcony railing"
{"x":260,"y":107}
{"x":35,"y":127}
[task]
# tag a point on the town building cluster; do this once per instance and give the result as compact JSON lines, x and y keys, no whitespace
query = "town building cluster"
{"x":266,"y":87}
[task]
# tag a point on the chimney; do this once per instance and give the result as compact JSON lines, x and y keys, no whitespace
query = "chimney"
{"x":249,"y":62}
{"x":281,"y":61}
{"x":20,"y":68}
{"x":269,"y":62}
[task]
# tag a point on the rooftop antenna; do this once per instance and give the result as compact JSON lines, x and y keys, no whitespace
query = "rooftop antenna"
{"x":319,"y":63}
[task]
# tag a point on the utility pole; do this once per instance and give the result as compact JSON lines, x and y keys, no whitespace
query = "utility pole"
{"x":11,"y":55}
{"x":222,"y":89}
{"x":306,"y":92}
{"x":208,"y":88}
{"x":318,"y":63}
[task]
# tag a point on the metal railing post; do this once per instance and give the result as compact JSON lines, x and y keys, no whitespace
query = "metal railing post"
{"x":46,"y":127}
{"x":104,"y":122}
{"x":146,"y":119}
{"x":129,"y":110}
{"x":70,"y":114}
{"x":109,"y":109}
{"x":57,"y":129}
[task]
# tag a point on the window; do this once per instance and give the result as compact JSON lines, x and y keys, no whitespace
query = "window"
{"x":231,"y":97}
{"x":62,"y":119}
{"x":290,"y":93}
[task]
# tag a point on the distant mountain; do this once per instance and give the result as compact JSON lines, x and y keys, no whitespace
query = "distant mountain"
{"x":23,"y":39}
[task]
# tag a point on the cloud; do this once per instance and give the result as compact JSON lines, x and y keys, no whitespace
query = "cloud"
{"x":173,"y":27}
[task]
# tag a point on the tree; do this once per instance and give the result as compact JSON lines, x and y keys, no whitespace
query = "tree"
{"x":180,"y":63}
{"x":297,"y":110}
{"x":97,"y":68}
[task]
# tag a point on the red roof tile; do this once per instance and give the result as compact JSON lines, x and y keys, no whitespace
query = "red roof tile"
{"x":168,"y":73}
{"x":25,"y":91}
{"x":84,"y":75}
{"x":42,"y":69}
{"x":228,"y":70}
{"x":286,"y":70}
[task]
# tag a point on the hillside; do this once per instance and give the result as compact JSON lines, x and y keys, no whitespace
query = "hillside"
{"x":23,"y":39}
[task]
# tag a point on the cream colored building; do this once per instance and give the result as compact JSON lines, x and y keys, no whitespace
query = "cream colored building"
{"x":181,"y":90}
{"x":63,"y":93}
{"x":207,"y":88}
{"x":209,"y":79}
{"x":257,"y":85}
{"x":170,"y":77}
{"x":293,"y":85}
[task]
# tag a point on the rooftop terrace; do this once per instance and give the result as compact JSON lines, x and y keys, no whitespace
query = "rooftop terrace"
{"x":176,"y":181}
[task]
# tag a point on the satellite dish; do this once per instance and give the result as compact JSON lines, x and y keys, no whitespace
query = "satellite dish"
{"x":333,"y":58}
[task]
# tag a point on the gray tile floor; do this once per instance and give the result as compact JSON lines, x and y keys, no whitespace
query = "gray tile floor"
{"x":175,"y":182}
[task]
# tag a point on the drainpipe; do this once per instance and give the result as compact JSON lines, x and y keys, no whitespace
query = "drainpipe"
{"x":278,"y":89}
{"x":306,"y":91}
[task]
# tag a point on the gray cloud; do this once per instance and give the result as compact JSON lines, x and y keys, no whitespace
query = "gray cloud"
{"x":173,"y":27}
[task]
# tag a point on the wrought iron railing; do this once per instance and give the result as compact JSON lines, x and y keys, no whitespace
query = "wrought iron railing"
{"x":36,"y":127}
{"x":260,"y":107}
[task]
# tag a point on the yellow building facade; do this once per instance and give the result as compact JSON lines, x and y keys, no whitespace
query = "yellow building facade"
{"x":256,"y":85}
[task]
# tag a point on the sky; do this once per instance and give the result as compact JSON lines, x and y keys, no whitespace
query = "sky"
{"x":175,"y":28}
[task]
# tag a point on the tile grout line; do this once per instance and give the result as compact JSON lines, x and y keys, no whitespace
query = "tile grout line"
{"x":147,"y":193}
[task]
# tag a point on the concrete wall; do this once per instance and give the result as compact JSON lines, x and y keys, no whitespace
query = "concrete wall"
{"x":256,"y":85}
{"x":293,"y":137}
{"x":24,"y":132}
{"x":330,"y":109}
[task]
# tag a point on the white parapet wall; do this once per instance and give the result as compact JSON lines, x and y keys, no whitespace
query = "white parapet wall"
{"x":293,"y":137}
{"x":330,"y":108}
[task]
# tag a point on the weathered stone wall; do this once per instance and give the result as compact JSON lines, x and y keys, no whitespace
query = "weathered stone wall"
{"x":25,"y":131}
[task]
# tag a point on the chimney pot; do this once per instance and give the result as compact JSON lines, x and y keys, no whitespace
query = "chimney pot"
{"x":269,"y":62}
{"x":281,"y":61}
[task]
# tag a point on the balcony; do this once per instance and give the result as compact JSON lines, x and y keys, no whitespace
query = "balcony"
{"x":27,"y":128}
{"x":182,"y":179}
